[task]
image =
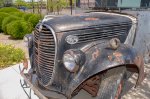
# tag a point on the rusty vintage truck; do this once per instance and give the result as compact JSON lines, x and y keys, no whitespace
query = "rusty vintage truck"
{"x":95,"y":52}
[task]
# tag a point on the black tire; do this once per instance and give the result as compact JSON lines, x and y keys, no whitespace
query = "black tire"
{"x":112,"y":83}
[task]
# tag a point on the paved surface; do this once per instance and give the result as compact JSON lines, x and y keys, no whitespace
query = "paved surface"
{"x":10,"y":87}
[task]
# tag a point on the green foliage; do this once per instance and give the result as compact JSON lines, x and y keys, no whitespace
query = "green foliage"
{"x":10,"y":55}
{"x":54,"y":5}
{"x":18,"y":14}
{"x":1,"y":3}
{"x":21,"y":3}
{"x":27,"y":16}
{"x":2,"y":16}
{"x":34,"y":19}
{"x":8,"y":20}
{"x":21,"y":28}
{"x":9,"y":9}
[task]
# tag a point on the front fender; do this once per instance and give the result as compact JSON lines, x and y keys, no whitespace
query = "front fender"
{"x":100,"y":58}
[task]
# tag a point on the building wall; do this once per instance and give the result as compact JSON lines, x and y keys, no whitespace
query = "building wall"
{"x":129,"y":3}
{"x":87,"y":3}
{"x":114,"y":3}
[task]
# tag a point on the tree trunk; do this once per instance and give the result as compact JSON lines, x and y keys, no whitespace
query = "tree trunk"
{"x":33,"y":8}
{"x":41,"y":7}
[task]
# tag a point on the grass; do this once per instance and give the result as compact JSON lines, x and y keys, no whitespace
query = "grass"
{"x":10,"y":55}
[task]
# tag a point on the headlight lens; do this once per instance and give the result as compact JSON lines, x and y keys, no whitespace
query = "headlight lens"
{"x":28,"y":39}
{"x":25,"y":41}
{"x":69,"y":62}
{"x":72,"y":59}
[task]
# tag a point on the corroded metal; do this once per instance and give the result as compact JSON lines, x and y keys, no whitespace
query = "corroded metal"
{"x":95,"y":32}
{"x":44,"y":53}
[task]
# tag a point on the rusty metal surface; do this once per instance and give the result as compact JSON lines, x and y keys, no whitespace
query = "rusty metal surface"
{"x":99,"y":56}
{"x":92,"y":85}
{"x":44,"y":53}
{"x":41,"y":96}
{"x":40,"y":92}
{"x":69,"y":23}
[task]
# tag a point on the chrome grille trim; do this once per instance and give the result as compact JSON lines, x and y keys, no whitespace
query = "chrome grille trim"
{"x":45,"y":54}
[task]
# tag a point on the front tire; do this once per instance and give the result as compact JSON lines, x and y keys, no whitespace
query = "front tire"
{"x":112,"y":83}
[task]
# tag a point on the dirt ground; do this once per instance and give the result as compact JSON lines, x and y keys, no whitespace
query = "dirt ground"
{"x":6,"y":39}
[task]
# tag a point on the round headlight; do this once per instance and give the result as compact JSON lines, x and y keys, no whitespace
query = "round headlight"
{"x":72,"y":39}
{"x":72,"y":59}
{"x":70,"y":63}
{"x":28,"y":39}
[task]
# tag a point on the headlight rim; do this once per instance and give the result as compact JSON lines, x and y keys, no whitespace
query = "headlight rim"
{"x":28,"y":39}
{"x":78,"y":56}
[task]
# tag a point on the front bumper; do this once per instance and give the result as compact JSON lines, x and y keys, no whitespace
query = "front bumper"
{"x":41,"y":93}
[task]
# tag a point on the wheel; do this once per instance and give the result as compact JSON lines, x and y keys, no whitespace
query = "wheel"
{"x":112,"y":83}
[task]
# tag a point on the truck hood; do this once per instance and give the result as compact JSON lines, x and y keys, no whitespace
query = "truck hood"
{"x":86,"y":20}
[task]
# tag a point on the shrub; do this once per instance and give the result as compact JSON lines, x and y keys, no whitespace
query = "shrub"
{"x":2,"y":16}
{"x":9,"y":9}
{"x":34,"y":19}
{"x":21,"y":28}
{"x":6,"y":21}
{"x":10,"y":55}
{"x":27,"y":16}
{"x":18,"y":14}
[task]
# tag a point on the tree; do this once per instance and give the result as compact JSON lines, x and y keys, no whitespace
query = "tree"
{"x":1,"y":3}
{"x":20,"y":3}
{"x":56,"y":5}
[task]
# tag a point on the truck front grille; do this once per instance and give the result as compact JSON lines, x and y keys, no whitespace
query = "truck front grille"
{"x":104,"y":32}
{"x":44,"y":53}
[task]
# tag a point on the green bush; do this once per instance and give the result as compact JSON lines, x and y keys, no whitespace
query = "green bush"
{"x":17,"y":29}
{"x":18,"y":14}
{"x":9,"y":9}
{"x":10,"y":55}
{"x":27,"y":16}
{"x":2,"y":16}
{"x":6,"y":21}
{"x":34,"y":19}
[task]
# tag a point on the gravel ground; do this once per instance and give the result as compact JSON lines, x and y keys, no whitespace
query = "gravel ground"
{"x":6,"y":39}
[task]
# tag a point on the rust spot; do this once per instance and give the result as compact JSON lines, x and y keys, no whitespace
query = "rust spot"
{"x":25,"y":63}
{"x":77,"y":15}
{"x":118,"y":56}
{"x":140,"y":63}
{"x":59,"y":36}
{"x":110,"y":58}
{"x":138,"y":60}
{"x":95,"y":54}
{"x":91,"y":86}
{"x":91,"y":19}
